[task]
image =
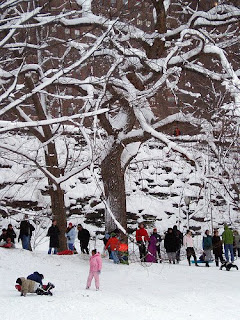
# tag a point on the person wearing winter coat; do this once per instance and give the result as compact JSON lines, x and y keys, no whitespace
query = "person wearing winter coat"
{"x":83,"y":237}
{"x":113,"y":243}
{"x":179,"y":237}
{"x":152,"y":250}
{"x":53,"y":233}
{"x":70,"y":235}
{"x":7,"y":244}
{"x":142,"y":237}
{"x":3,"y":236}
{"x":227,"y":238}
{"x":207,"y":246}
{"x":217,"y":248}
{"x":26,"y":230}
{"x":11,"y":233}
{"x":27,"y":286}
{"x":159,"y":240}
{"x":95,"y":269}
{"x":236,"y":243}
{"x":37,"y":277}
{"x":170,"y":244}
{"x":188,"y":244}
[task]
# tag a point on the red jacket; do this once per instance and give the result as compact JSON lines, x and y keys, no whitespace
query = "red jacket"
{"x":113,"y":243}
{"x":142,"y":235}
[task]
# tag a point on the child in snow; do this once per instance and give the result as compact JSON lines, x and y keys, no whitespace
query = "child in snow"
{"x":95,"y":269}
{"x":7,"y":244}
{"x":29,"y":286}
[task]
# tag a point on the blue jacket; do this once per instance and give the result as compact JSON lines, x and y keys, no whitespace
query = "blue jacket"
{"x":36,"y":276}
{"x":71,"y":235}
{"x":207,"y":242}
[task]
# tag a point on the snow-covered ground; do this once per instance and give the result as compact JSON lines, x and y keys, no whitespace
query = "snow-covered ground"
{"x":160,"y":291}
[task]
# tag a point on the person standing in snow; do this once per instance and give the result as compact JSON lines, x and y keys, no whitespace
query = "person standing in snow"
{"x":95,"y":269}
{"x":53,"y":233}
{"x":142,"y":237}
{"x":159,"y":240}
{"x":188,"y":244}
{"x":11,"y":233}
{"x":207,"y":246}
{"x":70,"y":235}
{"x":179,"y":237}
{"x":170,"y":244}
{"x":26,"y":230}
{"x":227,"y":238}
{"x":236,"y":243}
{"x":217,"y":248}
{"x":83,"y":237}
{"x":152,"y":250}
{"x":113,"y":243}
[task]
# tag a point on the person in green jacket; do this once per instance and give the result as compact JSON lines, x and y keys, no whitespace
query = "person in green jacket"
{"x":227,"y":238}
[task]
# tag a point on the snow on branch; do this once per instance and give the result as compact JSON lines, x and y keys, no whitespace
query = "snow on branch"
{"x":9,"y":125}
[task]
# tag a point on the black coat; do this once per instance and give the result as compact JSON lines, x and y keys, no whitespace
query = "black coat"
{"x":53,"y":233}
{"x":26,"y":229}
{"x":217,"y":245}
{"x":11,"y":234}
{"x":83,"y":235}
{"x":170,"y":242}
{"x":158,"y":238}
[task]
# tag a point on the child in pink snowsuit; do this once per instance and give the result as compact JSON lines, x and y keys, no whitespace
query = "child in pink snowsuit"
{"x":95,"y":269}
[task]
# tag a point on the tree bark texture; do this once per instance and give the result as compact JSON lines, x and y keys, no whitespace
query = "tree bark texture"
{"x":114,"y":187}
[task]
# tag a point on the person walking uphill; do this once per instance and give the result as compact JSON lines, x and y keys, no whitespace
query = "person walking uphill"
{"x":207,"y":246}
{"x":70,"y":235}
{"x":188,"y":244}
{"x":227,"y":238}
{"x":25,"y":235}
{"x":11,"y":233}
{"x":53,"y":233}
{"x":141,"y":238}
{"x":95,"y":269}
{"x":83,"y":237}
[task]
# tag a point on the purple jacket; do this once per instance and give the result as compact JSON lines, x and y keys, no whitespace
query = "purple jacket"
{"x":152,"y":250}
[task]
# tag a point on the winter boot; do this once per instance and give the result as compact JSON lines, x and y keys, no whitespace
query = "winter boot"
{"x":189,"y":263}
{"x":195,"y":260}
{"x":207,"y":264}
{"x":217,"y":263}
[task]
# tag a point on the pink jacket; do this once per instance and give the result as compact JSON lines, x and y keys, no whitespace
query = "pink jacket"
{"x":96,"y":263}
{"x":188,"y":241}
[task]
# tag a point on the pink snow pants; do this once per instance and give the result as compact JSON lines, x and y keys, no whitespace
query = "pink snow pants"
{"x":95,"y":275}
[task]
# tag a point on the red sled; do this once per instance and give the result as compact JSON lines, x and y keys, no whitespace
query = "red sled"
{"x":65,"y":252}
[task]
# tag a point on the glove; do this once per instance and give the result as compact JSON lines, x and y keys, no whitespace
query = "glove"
{"x":99,"y":271}
{"x":68,"y":237}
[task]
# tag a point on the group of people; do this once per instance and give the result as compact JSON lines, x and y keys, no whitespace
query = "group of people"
{"x":7,"y":238}
{"x":149,"y":246}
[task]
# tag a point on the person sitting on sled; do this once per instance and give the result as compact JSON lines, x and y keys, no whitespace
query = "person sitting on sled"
{"x":29,"y":286}
{"x":7,"y":244}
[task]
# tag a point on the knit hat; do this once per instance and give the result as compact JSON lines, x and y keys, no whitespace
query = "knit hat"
{"x":70,"y":224}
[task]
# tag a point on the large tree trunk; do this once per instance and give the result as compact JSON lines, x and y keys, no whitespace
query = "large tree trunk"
{"x":114,"y":187}
{"x":59,"y":214}
{"x":56,"y":194}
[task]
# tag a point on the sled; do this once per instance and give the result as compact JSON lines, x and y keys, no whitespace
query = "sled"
{"x":65,"y":253}
{"x":201,"y":261}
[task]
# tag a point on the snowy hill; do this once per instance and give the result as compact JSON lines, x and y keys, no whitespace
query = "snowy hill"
{"x":160,"y":291}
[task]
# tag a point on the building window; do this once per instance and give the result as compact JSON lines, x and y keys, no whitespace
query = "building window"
{"x":67,"y":31}
{"x":139,"y":22}
{"x":113,"y":1}
{"x":77,"y":32}
{"x":125,"y":2}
